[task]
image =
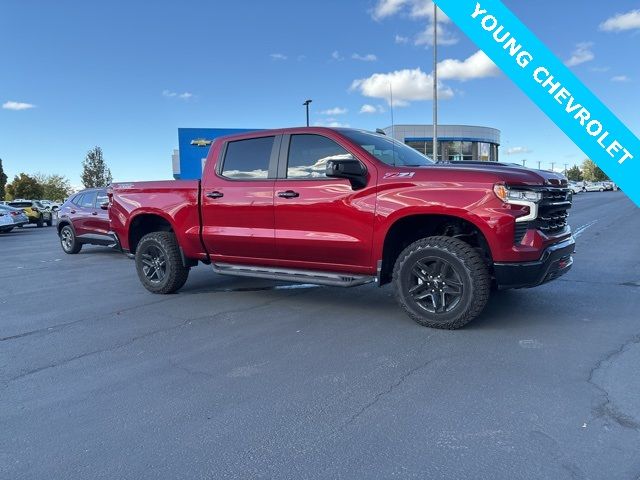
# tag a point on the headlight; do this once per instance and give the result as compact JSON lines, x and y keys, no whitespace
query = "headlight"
{"x":508,"y":195}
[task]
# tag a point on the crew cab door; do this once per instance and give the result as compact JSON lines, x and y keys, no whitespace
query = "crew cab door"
{"x":321,"y":223}
{"x":237,"y":200}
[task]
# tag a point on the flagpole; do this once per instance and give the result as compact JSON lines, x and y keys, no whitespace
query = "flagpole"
{"x":435,"y":82}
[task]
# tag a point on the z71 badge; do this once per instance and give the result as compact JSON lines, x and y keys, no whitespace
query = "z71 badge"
{"x":399,"y":175}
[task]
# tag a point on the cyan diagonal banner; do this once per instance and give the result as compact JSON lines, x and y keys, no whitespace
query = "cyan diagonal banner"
{"x":553,"y":87}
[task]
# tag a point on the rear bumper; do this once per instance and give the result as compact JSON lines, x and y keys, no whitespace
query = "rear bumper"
{"x":555,"y":261}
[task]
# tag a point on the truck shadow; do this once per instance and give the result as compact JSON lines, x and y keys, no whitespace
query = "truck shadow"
{"x":371,"y":302}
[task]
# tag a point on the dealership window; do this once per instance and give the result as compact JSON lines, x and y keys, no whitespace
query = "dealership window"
{"x":308,"y":155}
{"x":459,"y":150}
{"x":248,"y":159}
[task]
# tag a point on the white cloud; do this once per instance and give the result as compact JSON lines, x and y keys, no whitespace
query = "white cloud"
{"x":620,"y":78}
{"x":581,"y":54}
{"x":445,"y":37}
{"x":622,"y":21}
{"x":336,"y":55}
{"x":387,"y":8}
{"x":600,"y":69}
{"x":11,"y":105}
{"x":278,"y":56}
{"x":408,"y":85}
{"x":334,"y":111}
{"x":369,"y":57}
{"x":182,"y":96}
{"x":332,"y":123}
{"x":517,"y":151}
{"x":370,"y":109}
{"x":417,"y":10}
{"x":477,"y":65}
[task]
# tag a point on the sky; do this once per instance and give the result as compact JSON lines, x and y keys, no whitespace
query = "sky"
{"x":125,"y":75}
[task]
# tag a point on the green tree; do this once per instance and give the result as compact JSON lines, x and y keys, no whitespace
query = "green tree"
{"x":3,"y":181}
{"x":95,"y":172}
{"x":591,"y":172}
{"x":54,"y":187}
{"x":574,"y":174}
{"x":25,"y":186}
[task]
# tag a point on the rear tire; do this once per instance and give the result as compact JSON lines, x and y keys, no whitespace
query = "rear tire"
{"x":49,"y":222}
{"x":441,"y":282}
{"x":68,"y":241}
{"x":159,"y":263}
{"x":40,"y":222}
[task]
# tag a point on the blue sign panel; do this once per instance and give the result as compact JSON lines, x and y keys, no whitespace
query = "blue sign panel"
{"x":194,"y":146}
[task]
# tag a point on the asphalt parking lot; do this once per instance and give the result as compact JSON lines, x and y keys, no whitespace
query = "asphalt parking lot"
{"x":242,"y":378}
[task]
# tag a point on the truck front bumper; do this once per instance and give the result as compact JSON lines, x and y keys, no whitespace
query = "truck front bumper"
{"x":555,"y":261}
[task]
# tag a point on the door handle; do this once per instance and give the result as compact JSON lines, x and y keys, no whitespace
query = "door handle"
{"x":94,"y":213}
{"x":72,"y":211}
{"x":288,"y":194}
{"x":215,"y":194}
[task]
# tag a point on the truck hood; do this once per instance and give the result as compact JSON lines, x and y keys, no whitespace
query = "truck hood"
{"x":508,"y":173}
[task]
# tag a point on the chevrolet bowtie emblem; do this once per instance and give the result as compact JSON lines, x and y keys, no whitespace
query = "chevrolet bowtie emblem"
{"x":201,"y":142}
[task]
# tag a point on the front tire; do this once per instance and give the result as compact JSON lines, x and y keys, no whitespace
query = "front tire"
{"x":68,"y":241}
{"x":159,"y":263}
{"x":40,"y":222}
{"x":441,"y":282}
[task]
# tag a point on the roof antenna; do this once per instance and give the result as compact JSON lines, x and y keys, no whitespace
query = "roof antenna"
{"x":393,"y":133}
{"x":393,"y":127}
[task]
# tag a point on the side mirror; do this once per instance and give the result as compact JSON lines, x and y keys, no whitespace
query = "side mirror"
{"x":348,"y":168}
{"x":104,"y":205}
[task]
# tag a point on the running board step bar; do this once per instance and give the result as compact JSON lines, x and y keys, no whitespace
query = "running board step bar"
{"x":293,"y":275}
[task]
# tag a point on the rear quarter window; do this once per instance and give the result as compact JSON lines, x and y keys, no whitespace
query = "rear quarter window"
{"x":248,"y":159}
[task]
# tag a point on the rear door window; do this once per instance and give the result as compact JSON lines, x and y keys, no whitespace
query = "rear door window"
{"x":248,"y":159}
{"x":101,"y":198}
{"x":87,"y":200}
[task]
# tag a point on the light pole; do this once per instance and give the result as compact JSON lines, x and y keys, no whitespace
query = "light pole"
{"x":553,"y":166}
{"x":539,"y":166}
{"x":306,"y":104}
{"x":524,"y":162}
{"x":435,"y":82}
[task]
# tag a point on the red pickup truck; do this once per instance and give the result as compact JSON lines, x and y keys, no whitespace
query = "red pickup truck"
{"x":345,"y":207}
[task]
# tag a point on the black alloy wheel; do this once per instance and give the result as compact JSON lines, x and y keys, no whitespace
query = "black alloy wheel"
{"x":437,"y":287}
{"x":154,"y":263}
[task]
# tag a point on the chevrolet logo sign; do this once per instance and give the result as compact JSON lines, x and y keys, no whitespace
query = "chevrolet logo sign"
{"x":201,"y":142}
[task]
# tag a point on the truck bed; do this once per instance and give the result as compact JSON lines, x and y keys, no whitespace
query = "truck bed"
{"x":176,"y":201}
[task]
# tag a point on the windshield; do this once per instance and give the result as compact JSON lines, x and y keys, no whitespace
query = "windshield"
{"x":388,"y":150}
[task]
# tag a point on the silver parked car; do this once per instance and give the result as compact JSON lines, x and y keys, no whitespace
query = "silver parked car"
{"x":17,"y":215}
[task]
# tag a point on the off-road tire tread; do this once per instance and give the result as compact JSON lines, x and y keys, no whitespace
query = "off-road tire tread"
{"x":472,"y":261}
{"x":177,"y":273}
